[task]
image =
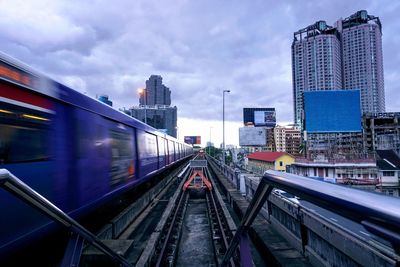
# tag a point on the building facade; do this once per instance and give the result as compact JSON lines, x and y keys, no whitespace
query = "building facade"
{"x":316,"y":63}
{"x":362,"y":64}
{"x":259,"y":162}
{"x":388,"y":163}
{"x":359,"y":173}
{"x":156,"y":93}
{"x":155,"y":107}
{"x":381,"y":131}
{"x":160,"y":117}
{"x":287,"y":139}
{"x":347,"y":56}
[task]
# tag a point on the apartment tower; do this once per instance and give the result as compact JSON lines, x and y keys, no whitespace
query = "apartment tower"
{"x":347,"y":56}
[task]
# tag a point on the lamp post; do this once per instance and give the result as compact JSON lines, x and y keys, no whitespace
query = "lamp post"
{"x":223,"y":124}
{"x":177,"y":132}
{"x":142,"y":91}
{"x":209,"y":147}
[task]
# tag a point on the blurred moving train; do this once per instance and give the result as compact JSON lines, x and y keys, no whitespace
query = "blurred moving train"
{"x":72,"y":149}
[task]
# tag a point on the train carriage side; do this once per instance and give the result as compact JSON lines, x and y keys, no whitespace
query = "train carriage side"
{"x":26,"y":144}
{"x":162,"y":158}
{"x":74,"y":150}
{"x":171,"y":151}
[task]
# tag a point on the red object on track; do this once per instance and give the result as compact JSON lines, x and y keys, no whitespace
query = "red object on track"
{"x":195,"y":183}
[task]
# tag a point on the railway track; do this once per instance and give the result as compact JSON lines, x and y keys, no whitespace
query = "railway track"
{"x":186,"y":224}
{"x":196,"y":232}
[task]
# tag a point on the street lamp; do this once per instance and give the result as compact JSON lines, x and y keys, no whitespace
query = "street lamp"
{"x":141,"y":92}
{"x":177,"y":132}
{"x":209,"y":145}
{"x":223,"y":124}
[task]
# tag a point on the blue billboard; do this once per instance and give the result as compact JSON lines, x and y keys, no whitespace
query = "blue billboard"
{"x":332,"y":111}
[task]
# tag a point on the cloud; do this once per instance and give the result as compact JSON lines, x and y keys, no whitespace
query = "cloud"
{"x":199,"y":48}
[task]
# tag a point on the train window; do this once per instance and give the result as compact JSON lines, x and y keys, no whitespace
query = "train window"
{"x":161,"y":146}
{"x":100,"y":140}
{"x":22,"y":144}
{"x":83,"y":138}
{"x":122,"y":168}
{"x":121,"y":144}
{"x":147,"y":145}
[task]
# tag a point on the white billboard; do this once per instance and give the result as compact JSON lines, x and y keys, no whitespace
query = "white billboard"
{"x":252,"y":136}
{"x":264,"y":118}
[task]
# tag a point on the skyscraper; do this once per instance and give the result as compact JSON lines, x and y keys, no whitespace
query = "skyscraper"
{"x":316,"y":62}
{"x":362,"y":59}
{"x":347,"y":56}
{"x":155,"y":106}
{"x":156,"y":92}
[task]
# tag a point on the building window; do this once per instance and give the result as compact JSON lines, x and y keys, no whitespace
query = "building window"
{"x":280,"y":163}
{"x":388,"y":173}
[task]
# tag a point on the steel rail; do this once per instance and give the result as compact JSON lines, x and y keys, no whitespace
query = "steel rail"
{"x":220,"y":225}
{"x":182,"y":201}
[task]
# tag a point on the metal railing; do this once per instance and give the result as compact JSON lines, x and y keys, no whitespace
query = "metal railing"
{"x":378,"y":213}
{"x":74,"y":249}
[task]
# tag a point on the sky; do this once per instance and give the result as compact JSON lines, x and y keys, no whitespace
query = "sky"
{"x":200,"y":48}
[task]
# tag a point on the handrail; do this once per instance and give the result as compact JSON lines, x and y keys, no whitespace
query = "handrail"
{"x":378,"y":213}
{"x":367,"y":208}
{"x":21,"y":190}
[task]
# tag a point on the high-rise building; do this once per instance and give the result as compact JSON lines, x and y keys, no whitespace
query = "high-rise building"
{"x":156,"y":92}
{"x":362,"y":64}
{"x":316,"y":63}
{"x":347,"y":56}
{"x":155,"y":107}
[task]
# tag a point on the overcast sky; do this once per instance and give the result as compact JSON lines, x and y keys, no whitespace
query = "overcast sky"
{"x":198,"y":47}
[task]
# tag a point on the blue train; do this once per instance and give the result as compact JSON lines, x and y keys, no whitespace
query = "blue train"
{"x":74,"y":150}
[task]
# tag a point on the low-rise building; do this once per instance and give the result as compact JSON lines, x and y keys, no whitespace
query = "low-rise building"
{"x":388,"y":163}
{"x":259,"y":162}
{"x":359,"y":173}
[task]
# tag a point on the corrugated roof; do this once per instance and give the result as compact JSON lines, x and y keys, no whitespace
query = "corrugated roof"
{"x":266,"y":156}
